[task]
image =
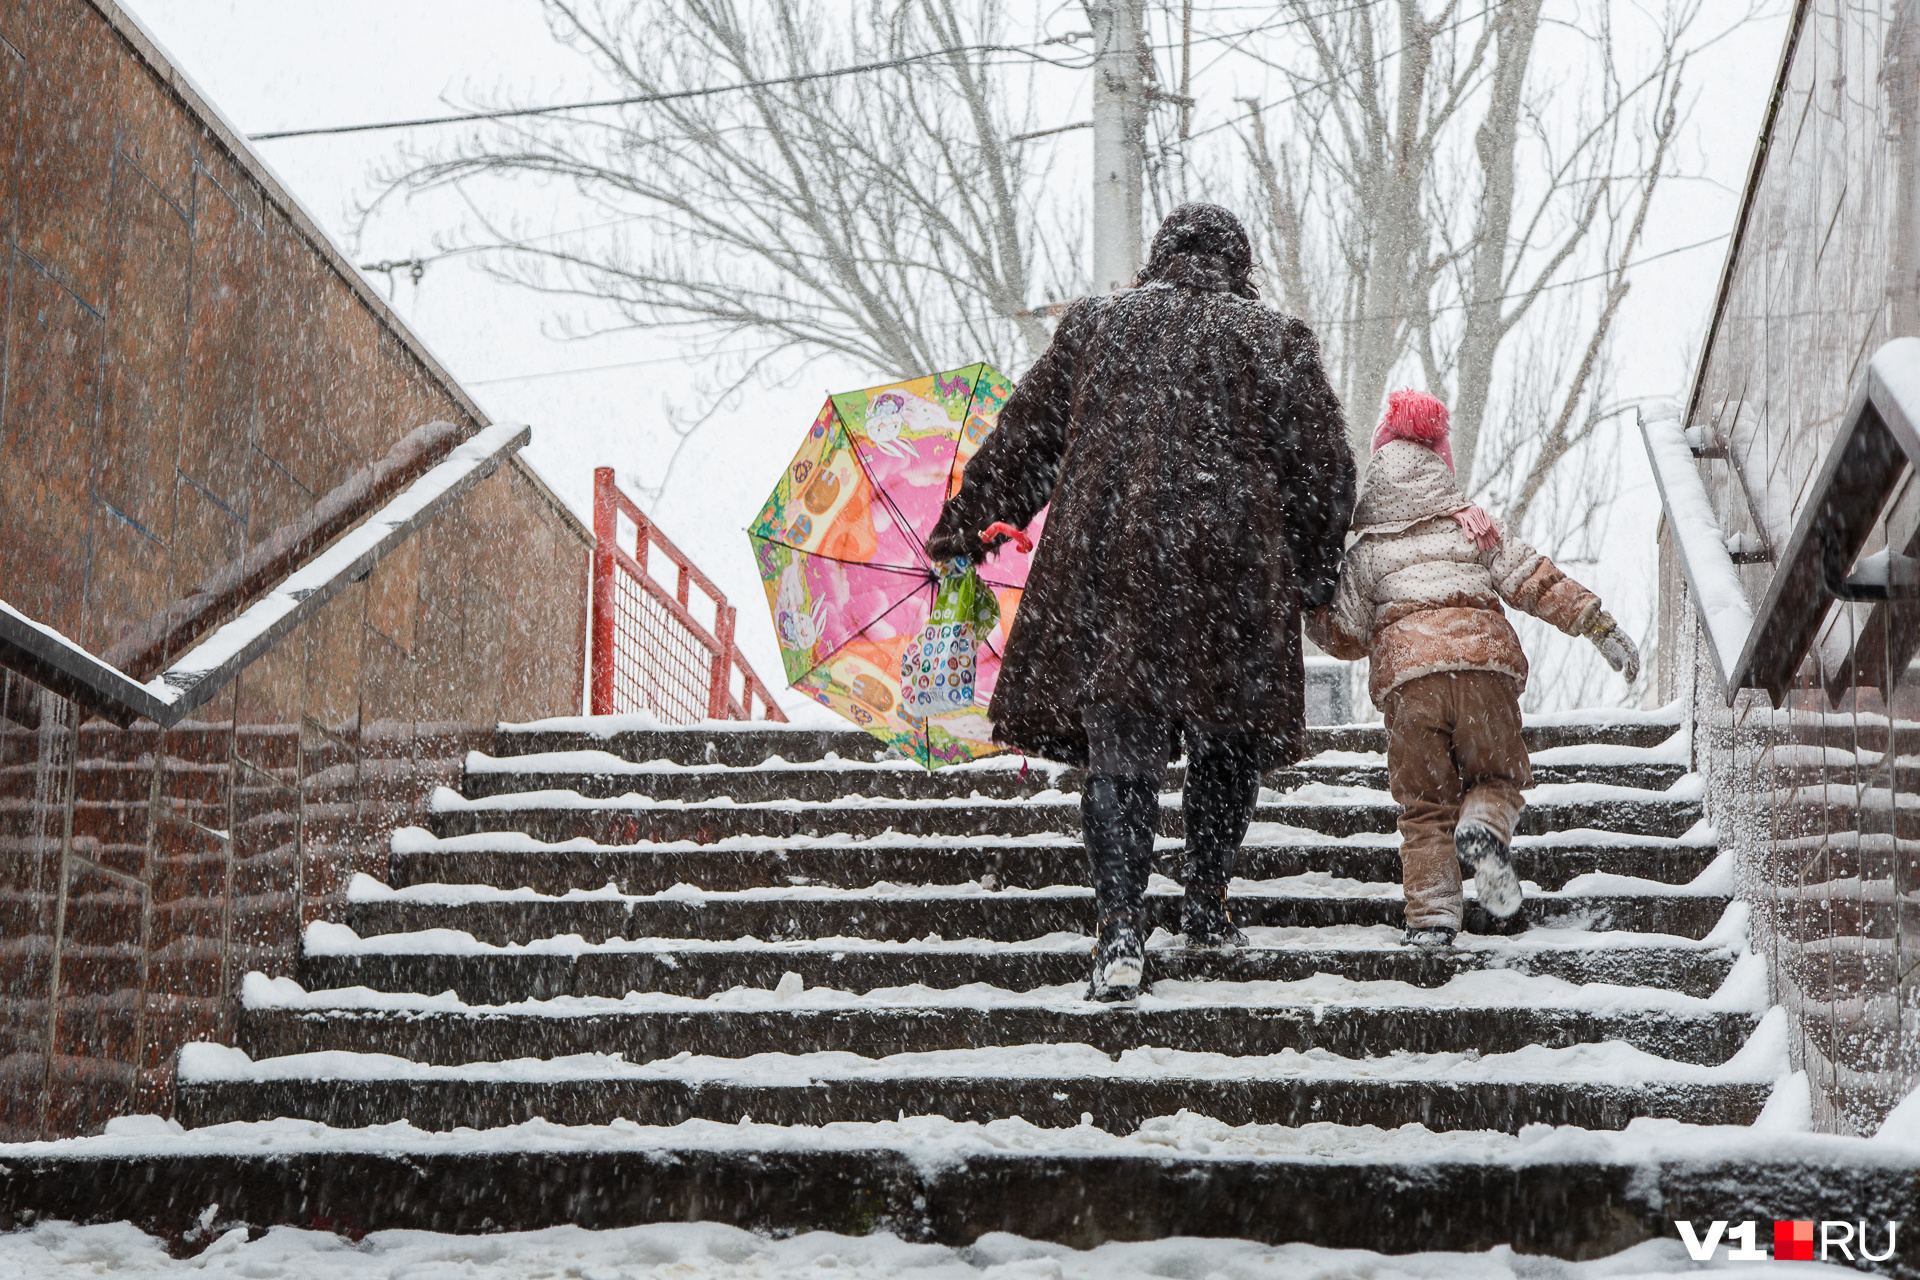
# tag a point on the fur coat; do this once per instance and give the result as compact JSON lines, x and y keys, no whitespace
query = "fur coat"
{"x":1417,"y":596}
{"x":1200,"y":481}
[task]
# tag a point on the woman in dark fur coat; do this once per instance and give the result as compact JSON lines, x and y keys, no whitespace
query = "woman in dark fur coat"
{"x":1197,"y":465}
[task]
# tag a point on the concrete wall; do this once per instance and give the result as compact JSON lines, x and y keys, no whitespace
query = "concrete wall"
{"x":1818,"y":798}
{"x":187,"y":366}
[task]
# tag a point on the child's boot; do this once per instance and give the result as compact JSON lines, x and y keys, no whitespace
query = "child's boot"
{"x":1429,"y":936}
{"x":1480,"y":841}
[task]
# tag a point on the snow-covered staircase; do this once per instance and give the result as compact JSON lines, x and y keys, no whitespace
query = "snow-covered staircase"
{"x":767,"y":978}
{"x":709,"y":924}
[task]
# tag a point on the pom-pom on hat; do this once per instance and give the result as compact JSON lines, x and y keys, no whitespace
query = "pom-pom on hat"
{"x":1416,"y":416}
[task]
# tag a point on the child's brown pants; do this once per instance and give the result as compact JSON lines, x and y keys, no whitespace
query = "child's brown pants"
{"x":1453,"y":752}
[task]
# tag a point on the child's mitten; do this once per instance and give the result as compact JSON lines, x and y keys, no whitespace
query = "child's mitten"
{"x":1614,"y":646}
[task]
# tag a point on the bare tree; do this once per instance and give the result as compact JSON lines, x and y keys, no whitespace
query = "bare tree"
{"x":1536,"y":437}
{"x":1435,"y":185}
{"x":890,"y":217}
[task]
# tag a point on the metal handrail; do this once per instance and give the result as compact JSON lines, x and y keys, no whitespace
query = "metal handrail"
{"x":145,"y":649}
{"x":1879,"y":437}
{"x":50,"y":659}
{"x":609,"y":558}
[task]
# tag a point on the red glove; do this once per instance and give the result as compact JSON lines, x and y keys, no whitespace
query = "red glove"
{"x":1478,"y":526}
{"x":1001,"y":529}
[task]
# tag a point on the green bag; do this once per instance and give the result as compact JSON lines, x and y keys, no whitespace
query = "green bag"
{"x":937,"y":670}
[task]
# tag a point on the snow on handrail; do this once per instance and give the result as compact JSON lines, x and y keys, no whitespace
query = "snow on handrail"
{"x":1710,"y":570}
{"x":48,"y":658}
{"x":1762,"y":646}
{"x":1841,"y":507}
{"x":70,"y":670}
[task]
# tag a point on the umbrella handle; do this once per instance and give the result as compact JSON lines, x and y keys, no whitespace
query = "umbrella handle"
{"x":1000,"y":528}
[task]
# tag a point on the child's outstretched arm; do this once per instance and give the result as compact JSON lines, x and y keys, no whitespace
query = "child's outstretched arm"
{"x":1533,"y":584}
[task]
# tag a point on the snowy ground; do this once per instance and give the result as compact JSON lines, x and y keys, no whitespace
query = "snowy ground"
{"x":696,"y":1251}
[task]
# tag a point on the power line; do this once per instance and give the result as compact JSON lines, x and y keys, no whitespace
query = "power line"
{"x":1051,"y":309}
{"x":1350,"y":321}
{"x":510,"y":113}
{"x":603,"y":368}
{"x":1318,"y":85}
{"x":643,"y":98}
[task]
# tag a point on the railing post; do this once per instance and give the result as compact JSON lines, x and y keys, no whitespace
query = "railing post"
{"x":606,"y":526}
{"x":717,"y":699}
{"x":614,"y":571}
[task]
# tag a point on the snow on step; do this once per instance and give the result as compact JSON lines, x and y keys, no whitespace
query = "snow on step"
{"x":439,"y":959}
{"x":1780,"y":1135}
{"x":1688,"y":789}
{"x":325,"y":938}
{"x":1601,"y":1086}
{"x":1336,"y":810}
{"x":972,"y":909}
{"x":1761,"y":1060}
{"x":604,"y":775}
{"x":1744,"y":990}
{"x":565,"y":860}
{"x":1715,"y":881}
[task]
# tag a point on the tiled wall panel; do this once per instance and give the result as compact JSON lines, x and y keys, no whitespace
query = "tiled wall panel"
{"x":1819,"y":799}
{"x":186,"y":368}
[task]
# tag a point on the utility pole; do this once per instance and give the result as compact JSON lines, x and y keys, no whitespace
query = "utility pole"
{"x":1119,"y":139}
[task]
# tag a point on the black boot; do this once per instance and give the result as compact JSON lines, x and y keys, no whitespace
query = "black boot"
{"x":1207,"y":922}
{"x":1223,"y":782}
{"x":1119,"y":961}
{"x":1117,"y":816}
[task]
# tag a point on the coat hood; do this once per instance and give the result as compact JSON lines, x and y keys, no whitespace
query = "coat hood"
{"x":1406,"y":483}
{"x":1201,"y":246}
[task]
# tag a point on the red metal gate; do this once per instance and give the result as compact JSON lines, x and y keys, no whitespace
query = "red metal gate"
{"x":649,"y":652}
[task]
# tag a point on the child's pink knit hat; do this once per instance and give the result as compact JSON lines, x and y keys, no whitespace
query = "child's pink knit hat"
{"x":1416,"y":416}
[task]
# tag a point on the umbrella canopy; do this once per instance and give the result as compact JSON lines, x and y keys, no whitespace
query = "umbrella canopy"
{"x":841,"y":546}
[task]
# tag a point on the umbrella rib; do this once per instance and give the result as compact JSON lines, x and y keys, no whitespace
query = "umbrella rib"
{"x":973,"y":393}
{"x":898,"y":515}
{"x":884,"y":614}
{"x":860,"y":461}
{"x":911,"y":570}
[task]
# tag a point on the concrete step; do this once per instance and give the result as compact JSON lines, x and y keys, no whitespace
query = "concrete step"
{"x":1005,"y":916}
{"x":558,"y":1029}
{"x":599,"y":775}
{"x":1549,"y":861}
{"x":503,"y":977}
{"x":715,"y":744}
{"x":563,"y":815}
{"x":1081,"y":1194}
{"x":1117,"y":1106}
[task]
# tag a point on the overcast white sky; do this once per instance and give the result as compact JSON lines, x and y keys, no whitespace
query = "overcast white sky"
{"x":272,"y":64}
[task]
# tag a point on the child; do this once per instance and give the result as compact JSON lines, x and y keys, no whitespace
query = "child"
{"x":1420,"y":592}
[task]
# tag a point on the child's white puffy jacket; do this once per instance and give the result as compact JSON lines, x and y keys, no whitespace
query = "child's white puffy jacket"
{"x":1417,"y":596}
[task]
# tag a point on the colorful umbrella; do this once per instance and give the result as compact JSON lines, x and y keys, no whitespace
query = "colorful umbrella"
{"x":841,"y":546}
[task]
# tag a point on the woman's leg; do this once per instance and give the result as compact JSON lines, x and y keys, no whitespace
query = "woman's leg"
{"x":1119,"y":814}
{"x":1223,"y":783}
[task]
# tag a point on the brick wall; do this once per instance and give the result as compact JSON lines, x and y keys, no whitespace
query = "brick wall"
{"x":187,"y":366}
{"x":1818,"y":797}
